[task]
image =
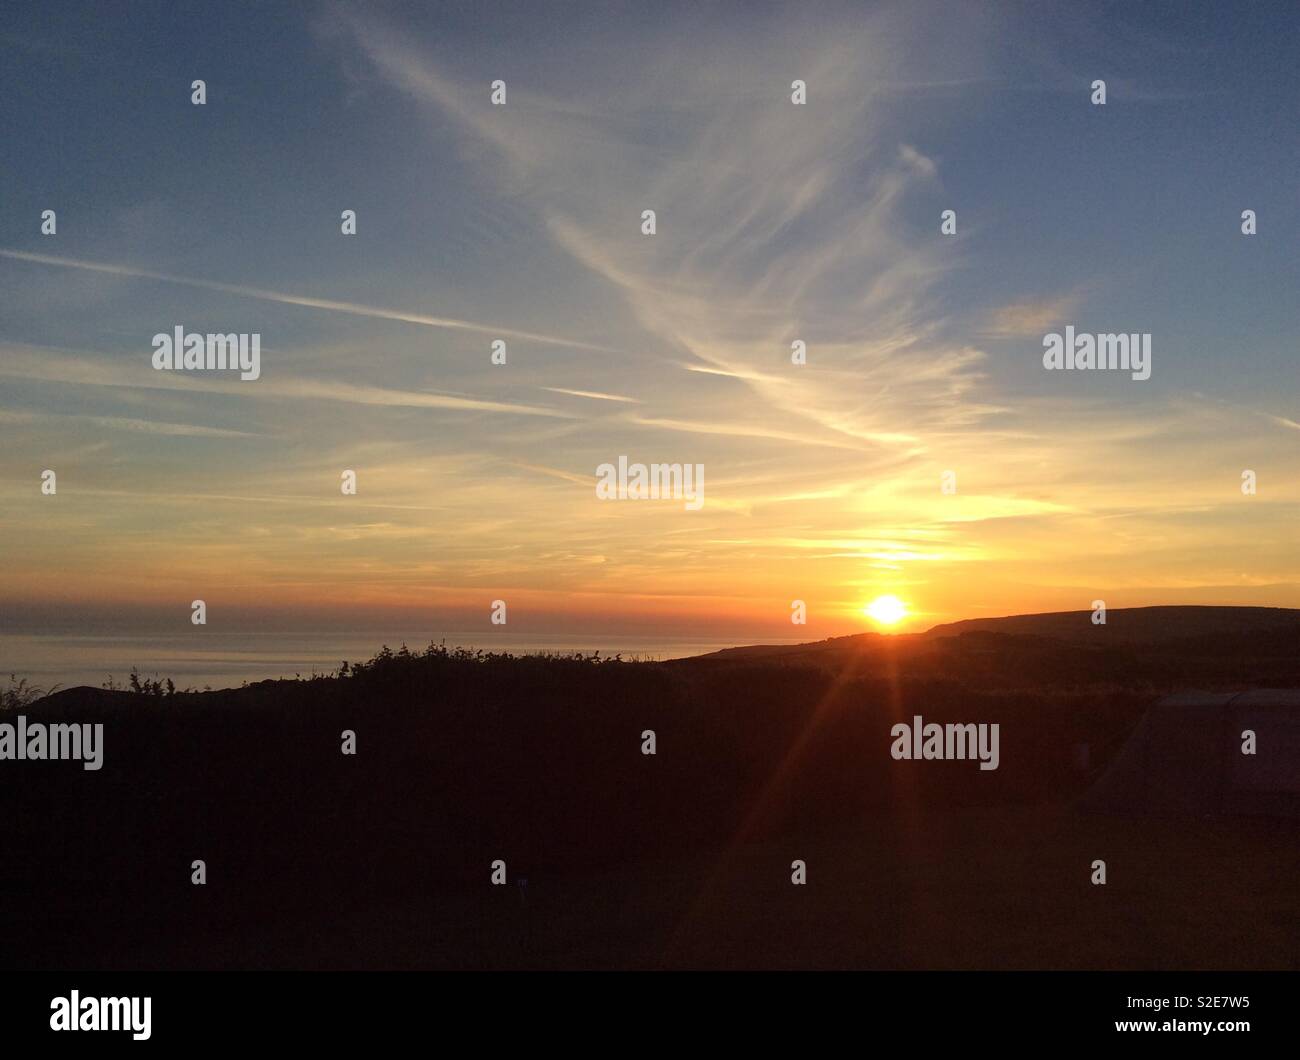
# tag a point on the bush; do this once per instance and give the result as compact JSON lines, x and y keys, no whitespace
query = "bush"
{"x":20,"y":694}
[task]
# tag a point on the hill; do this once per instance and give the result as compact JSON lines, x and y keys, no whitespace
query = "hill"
{"x":1148,"y":649}
{"x":1134,"y":625}
{"x":381,"y":859}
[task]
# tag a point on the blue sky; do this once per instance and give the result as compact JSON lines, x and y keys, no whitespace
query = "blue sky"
{"x":775,"y":222}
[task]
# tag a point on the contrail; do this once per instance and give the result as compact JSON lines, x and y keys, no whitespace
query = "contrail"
{"x":303,"y":300}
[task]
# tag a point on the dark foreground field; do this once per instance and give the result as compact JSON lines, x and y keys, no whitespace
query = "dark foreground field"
{"x":682,"y":859}
{"x":995,"y":888}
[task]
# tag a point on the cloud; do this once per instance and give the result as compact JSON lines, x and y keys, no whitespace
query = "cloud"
{"x":587,"y":481}
{"x":1032,"y":317}
{"x":775,"y":221}
{"x":50,"y":366}
{"x":126,"y":423}
{"x":589,"y":394}
{"x":283,"y":298}
{"x":912,"y":157}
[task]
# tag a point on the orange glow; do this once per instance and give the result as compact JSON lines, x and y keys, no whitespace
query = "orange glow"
{"x":886,"y":610}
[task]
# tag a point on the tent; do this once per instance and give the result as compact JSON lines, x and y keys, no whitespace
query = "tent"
{"x":1186,"y":757}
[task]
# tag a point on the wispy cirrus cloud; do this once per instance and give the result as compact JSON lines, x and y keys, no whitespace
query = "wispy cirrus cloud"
{"x":27,"y":362}
{"x":594,"y":395}
{"x":127,"y":423}
{"x":775,"y":222}
{"x":1032,"y":316}
{"x":284,"y":298}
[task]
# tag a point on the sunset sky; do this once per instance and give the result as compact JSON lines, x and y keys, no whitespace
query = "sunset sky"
{"x":522,"y":222}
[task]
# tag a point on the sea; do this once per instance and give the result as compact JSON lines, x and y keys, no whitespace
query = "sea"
{"x":203,"y":659}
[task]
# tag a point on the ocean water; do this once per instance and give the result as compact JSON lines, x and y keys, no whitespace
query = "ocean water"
{"x":225,"y":660}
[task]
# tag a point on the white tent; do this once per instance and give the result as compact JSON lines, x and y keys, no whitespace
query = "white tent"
{"x":1187,"y":756}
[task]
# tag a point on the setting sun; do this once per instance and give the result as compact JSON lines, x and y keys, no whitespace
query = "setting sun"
{"x":886,"y":610}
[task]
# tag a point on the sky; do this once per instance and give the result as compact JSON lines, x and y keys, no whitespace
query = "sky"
{"x":775,"y":222}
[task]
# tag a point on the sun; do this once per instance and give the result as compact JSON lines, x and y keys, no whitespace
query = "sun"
{"x":886,"y":610}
